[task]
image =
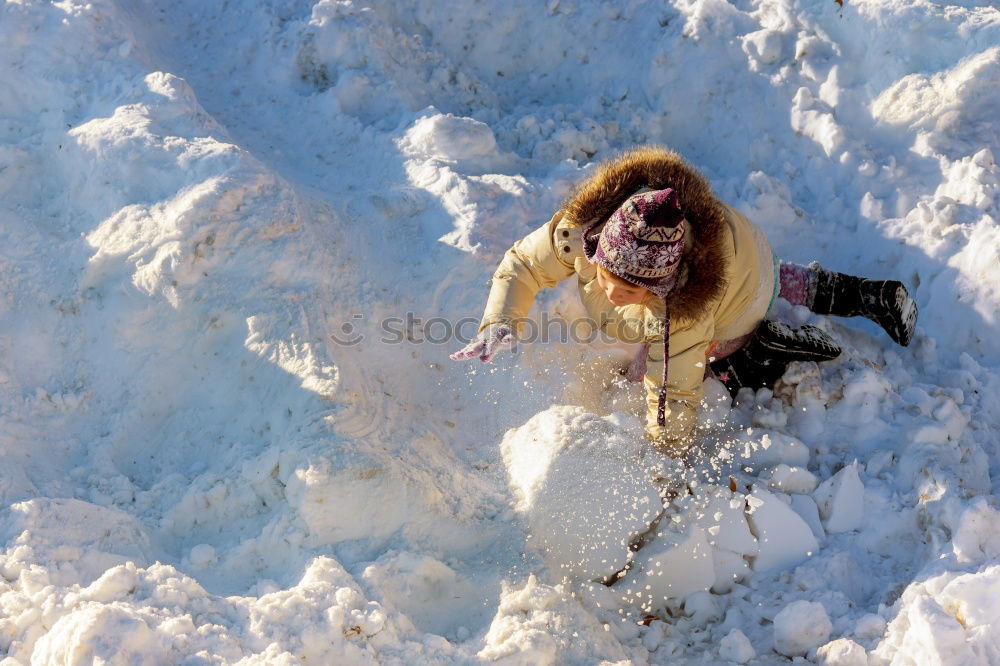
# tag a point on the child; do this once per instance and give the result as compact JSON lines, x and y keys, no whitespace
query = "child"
{"x":662,"y":262}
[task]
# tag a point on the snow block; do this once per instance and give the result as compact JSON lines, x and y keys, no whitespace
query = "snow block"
{"x":729,"y":568}
{"x":841,"y":500}
{"x":670,"y":567}
{"x":805,"y":506}
{"x":721,"y":513}
{"x":450,"y":137}
{"x":544,"y":625}
{"x":789,"y":479}
{"x":725,"y":523}
{"x":783,"y":538}
{"x":770,"y":448}
{"x":800,"y":627}
{"x":581,"y":488}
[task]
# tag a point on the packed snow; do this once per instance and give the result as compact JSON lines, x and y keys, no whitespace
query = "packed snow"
{"x":239,"y":240}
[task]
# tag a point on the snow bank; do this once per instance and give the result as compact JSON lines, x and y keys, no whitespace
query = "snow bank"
{"x":74,"y":540}
{"x":949,"y":616}
{"x":158,"y":614}
{"x":542,"y":624}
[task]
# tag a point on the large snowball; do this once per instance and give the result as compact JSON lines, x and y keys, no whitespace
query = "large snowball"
{"x":581,"y":488}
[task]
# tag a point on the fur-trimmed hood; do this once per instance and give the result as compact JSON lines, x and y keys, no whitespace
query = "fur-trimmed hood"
{"x":703,"y":269}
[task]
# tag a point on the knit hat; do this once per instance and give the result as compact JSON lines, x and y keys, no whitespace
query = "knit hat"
{"x":643,"y":243}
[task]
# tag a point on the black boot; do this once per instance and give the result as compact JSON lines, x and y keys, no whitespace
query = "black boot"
{"x":885,"y":302}
{"x":763,"y":360}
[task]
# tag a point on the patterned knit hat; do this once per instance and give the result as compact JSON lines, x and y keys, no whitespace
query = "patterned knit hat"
{"x":643,"y":243}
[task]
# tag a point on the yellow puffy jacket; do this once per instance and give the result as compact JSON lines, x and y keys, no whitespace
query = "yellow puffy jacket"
{"x":726,"y":284}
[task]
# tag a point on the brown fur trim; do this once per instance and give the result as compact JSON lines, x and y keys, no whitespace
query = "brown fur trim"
{"x":704,"y":264}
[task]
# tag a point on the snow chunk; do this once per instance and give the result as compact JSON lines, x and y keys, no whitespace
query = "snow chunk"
{"x":725,"y":522}
{"x":670,"y":567}
{"x":931,"y":626}
{"x":716,"y":404}
{"x":974,"y":599}
{"x":769,"y":448}
{"x":451,"y":137}
{"x":735,"y":646}
{"x":800,"y":627}
{"x":841,"y":500}
{"x":805,"y":506}
{"x":948,"y":106}
{"x":783,"y":538}
{"x":978,"y":535}
{"x":789,"y":479}
{"x":729,"y":568}
{"x":116,"y":583}
{"x":580,"y":485}
{"x":763,"y":46}
{"x":202,"y":555}
{"x":841,"y":652}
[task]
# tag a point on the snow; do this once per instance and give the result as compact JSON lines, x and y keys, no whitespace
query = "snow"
{"x":841,"y":500}
{"x":231,"y":236}
{"x":783,"y":537}
{"x":800,"y":627}
{"x":735,"y":646}
{"x":841,"y":652}
{"x":790,"y":479}
{"x":671,"y":566}
{"x":582,"y":490}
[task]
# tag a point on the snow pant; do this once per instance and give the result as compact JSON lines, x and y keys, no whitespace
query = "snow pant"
{"x":796,"y":284}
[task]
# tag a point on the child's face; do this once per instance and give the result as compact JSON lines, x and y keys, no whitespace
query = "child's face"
{"x":618,"y":291}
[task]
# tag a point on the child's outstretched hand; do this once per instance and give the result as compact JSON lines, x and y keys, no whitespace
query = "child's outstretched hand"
{"x":492,"y":339}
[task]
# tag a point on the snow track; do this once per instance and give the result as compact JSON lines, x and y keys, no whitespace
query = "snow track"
{"x":214,"y":450}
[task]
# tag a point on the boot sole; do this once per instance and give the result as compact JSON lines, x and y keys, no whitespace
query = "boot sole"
{"x":806,"y":343}
{"x":896,"y":312}
{"x":908,"y":310}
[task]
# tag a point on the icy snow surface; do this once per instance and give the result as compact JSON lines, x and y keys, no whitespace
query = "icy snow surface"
{"x":223,"y":439}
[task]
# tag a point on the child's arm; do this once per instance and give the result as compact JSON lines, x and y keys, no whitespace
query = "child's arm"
{"x":530,"y":265}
